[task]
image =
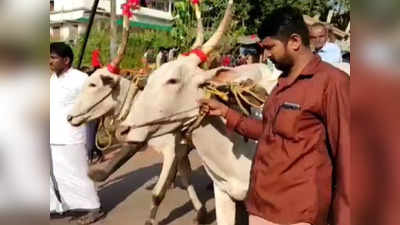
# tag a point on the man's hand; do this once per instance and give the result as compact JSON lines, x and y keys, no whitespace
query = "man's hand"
{"x":212,"y":107}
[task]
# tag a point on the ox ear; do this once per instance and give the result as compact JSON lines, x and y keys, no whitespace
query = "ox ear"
{"x":219,"y":76}
{"x":109,"y":80}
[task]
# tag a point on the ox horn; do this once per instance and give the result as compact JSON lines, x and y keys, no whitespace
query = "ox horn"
{"x":200,"y":30}
{"x":122,"y":47}
{"x":213,"y":41}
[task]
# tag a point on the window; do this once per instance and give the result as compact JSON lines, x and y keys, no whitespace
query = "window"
{"x":162,"y":5}
{"x":56,"y":34}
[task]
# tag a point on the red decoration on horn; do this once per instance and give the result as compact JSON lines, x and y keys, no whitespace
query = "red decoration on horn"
{"x":195,"y":2}
{"x":113,"y":69}
{"x":129,"y":6}
{"x":96,"y":62}
{"x":202,"y":56}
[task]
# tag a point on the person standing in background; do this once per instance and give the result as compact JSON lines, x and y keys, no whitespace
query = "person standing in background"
{"x":70,"y":187}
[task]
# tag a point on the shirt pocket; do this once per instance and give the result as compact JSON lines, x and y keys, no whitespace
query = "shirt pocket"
{"x":286,"y":120}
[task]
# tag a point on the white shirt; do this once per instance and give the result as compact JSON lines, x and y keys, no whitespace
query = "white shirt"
{"x":330,"y":53}
{"x":64,"y":91}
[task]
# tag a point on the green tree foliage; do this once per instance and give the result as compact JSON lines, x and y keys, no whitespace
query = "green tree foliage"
{"x":248,"y":15}
{"x":184,"y":30}
{"x":139,"y":41}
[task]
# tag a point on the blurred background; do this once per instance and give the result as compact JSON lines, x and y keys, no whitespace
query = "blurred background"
{"x":375,"y":92}
{"x":24,"y":162}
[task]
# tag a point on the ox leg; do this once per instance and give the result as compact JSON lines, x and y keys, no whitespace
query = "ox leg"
{"x":185,"y":171}
{"x":168,"y":172}
{"x":225,"y":207}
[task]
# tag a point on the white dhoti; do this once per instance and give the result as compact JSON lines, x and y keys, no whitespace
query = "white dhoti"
{"x":70,"y":186}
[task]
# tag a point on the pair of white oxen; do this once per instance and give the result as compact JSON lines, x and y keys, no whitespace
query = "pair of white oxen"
{"x":174,"y":89}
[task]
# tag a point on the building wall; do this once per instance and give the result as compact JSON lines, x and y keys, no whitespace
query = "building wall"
{"x":66,"y":11}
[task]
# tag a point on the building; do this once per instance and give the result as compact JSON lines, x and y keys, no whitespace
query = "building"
{"x":69,"y":18}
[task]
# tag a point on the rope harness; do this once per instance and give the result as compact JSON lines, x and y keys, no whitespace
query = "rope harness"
{"x":244,"y":94}
{"x":137,"y":83}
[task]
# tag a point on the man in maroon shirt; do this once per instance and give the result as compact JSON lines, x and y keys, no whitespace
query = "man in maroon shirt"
{"x":301,"y":168}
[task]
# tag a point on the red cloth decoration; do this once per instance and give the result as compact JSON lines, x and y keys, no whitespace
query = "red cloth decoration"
{"x":129,"y":6}
{"x":113,"y":69}
{"x":195,"y":2}
{"x":96,"y":62}
{"x":226,"y":61}
{"x":126,"y":10}
{"x":202,"y":56}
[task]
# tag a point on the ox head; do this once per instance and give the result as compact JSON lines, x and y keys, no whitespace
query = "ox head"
{"x":101,"y":95}
{"x":172,"y":91}
{"x":103,"y":91}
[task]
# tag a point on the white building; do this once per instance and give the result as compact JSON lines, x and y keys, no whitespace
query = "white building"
{"x":69,"y":18}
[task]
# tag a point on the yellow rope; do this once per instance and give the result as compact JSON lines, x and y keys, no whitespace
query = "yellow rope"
{"x":238,"y":90}
{"x":109,"y":137}
{"x":247,"y":101}
{"x":244,"y":110}
{"x":254,"y":95}
{"x":122,"y":115}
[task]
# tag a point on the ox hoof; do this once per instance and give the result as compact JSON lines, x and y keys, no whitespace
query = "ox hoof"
{"x":150,"y":222}
{"x":201,"y":216}
{"x":98,"y":175}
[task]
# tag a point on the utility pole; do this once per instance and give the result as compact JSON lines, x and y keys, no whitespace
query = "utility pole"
{"x":89,"y":28}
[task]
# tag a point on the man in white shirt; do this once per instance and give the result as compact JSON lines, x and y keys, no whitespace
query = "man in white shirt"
{"x":70,"y":187}
{"x":328,"y":51}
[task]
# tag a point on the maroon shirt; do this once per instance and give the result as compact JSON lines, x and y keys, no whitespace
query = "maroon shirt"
{"x":304,"y":131}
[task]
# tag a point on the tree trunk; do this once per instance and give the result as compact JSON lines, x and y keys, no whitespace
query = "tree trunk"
{"x":113,"y":23}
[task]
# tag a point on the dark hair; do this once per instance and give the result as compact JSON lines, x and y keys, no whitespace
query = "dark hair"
{"x":62,"y":50}
{"x":282,"y":23}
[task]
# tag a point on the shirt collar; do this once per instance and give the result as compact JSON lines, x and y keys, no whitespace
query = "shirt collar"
{"x":311,"y":67}
{"x":63,"y":74}
{"x":309,"y":70}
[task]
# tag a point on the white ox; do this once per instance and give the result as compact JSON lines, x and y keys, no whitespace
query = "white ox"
{"x":174,"y":88}
{"x":103,"y":95}
{"x":106,"y":93}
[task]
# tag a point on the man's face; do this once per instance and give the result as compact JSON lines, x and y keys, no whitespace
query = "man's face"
{"x":57,"y":63}
{"x":278,"y":53}
{"x":318,"y":37}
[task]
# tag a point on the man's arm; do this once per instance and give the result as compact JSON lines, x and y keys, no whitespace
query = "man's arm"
{"x":245,"y":126}
{"x":337,"y":117}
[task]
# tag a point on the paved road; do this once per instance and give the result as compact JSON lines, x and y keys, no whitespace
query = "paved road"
{"x":125,"y":197}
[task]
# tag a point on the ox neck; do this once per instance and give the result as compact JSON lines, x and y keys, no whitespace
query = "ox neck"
{"x":128,"y":92}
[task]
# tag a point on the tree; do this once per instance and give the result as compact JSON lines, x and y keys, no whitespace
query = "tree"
{"x":248,"y":15}
{"x":113,"y":29}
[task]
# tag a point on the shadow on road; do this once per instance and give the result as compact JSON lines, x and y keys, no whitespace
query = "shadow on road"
{"x":116,"y":190}
{"x":200,"y":180}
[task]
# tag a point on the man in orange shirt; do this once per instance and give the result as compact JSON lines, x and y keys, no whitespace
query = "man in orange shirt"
{"x":301,"y":168}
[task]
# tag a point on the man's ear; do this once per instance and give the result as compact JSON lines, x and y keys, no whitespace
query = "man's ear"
{"x":295,"y":41}
{"x":67,"y":61}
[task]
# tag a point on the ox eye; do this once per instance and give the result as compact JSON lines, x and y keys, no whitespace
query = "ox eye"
{"x":92,"y":85}
{"x":173,"y":81}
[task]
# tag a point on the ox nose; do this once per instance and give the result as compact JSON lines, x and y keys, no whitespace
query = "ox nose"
{"x":122,"y":132}
{"x":69,"y":118}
